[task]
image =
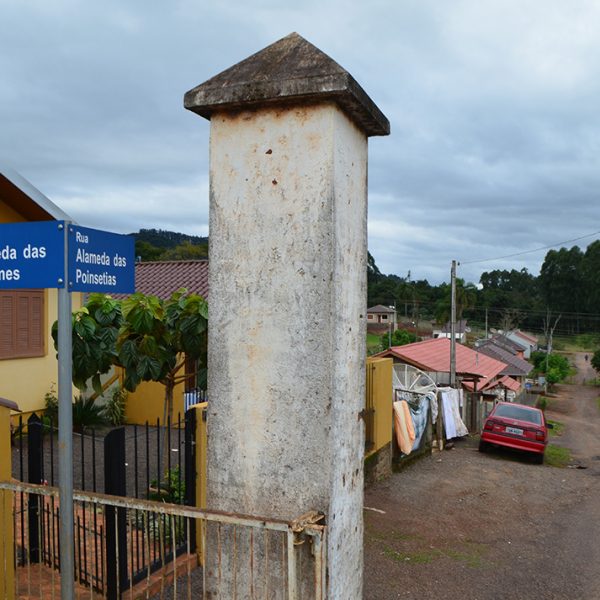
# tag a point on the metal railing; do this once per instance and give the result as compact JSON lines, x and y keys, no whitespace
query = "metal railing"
{"x":111,"y":531}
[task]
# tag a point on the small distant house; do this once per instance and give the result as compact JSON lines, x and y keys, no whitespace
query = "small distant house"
{"x":381,"y":319}
{"x":28,"y":365}
{"x":516,"y":367}
{"x":460,"y":331}
{"x":162,"y":279}
{"x":499,"y":339}
{"x":528,"y":342}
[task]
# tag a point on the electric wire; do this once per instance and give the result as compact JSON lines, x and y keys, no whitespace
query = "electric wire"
{"x":474,"y":262}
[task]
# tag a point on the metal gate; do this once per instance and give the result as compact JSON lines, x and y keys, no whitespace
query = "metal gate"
{"x":140,"y":462}
{"x":36,"y":580}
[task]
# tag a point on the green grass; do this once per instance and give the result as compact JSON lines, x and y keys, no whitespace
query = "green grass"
{"x":557,"y":429}
{"x":421,"y":558}
{"x":584,"y":342}
{"x":557,"y":456}
{"x":472,"y":558}
{"x":373,"y":344}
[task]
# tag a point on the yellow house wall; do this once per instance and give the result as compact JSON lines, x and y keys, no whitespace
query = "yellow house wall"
{"x":6,"y":521}
{"x":147,"y":403}
{"x":382,"y":401}
{"x":26,"y":380}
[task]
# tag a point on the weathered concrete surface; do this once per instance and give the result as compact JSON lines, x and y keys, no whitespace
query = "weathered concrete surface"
{"x":287,"y":323}
{"x":287,"y":274}
{"x":291,"y":71}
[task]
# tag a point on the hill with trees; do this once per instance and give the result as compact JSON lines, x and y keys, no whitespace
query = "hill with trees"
{"x":158,"y":244}
{"x":567,"y":288}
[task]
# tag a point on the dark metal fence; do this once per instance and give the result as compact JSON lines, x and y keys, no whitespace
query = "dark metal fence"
{"x":143,"y":462}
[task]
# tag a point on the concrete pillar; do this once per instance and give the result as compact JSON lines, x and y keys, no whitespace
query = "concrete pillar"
{"x":287,"y":326}
{"x":7,"y":553}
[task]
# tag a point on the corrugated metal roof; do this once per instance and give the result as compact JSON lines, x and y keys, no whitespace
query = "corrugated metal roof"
{"x":525,"y":336}
{"x":506,"y":381}
{"x":506,"y":343}
{"x":434,"y":355}
{"x":515,"y":365}
{"x":163,"y":278}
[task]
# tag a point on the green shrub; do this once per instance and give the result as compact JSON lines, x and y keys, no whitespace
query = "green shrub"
{"x":400,"y":337}
{"x":51,"y":405}
{"x":555,"y":366}
{"x":170,"y":489}
{"x":114,"y":409}
{"x":86,"y":413}
{"x":542,"y":403}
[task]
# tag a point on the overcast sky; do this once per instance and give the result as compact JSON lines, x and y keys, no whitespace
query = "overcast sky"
{"x":494,"y":110}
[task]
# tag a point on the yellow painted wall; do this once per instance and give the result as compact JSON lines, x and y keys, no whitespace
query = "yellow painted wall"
{"x":6,"y":520}
{"x":26,"y":380}
{"x":380,"y":372}
{"x":147,"y":403}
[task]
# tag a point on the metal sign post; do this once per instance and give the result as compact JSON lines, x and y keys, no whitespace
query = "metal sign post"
{"x":65,"y":432}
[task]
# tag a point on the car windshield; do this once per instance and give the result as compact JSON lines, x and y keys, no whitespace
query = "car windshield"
{"x":518,"y":412}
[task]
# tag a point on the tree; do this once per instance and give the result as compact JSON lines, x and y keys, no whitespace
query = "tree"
{"x":186,"y":251}
{"x":466,"y":298}
{"x":156,"y":335}
{"x":146,"y":336}
{"x":400,"y":337}
{"x":95,"y":331}
{"x":596,"y":361}
{"x":561,"y":281}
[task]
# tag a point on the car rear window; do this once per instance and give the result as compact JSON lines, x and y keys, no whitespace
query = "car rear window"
{"x":517,"y":412}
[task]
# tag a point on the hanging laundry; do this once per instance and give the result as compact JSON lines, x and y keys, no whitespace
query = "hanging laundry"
{"x":419,"y":414}
{"x":401,"y":427}
{"x":433,"y":404}
{"x":453,"y":424}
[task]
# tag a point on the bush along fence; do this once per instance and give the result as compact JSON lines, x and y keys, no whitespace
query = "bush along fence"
{"x":112,"y":551}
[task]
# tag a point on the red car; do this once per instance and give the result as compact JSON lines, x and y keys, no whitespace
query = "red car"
{"x":516,"y":426}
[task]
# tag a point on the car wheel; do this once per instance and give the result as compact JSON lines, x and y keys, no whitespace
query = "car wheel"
{"x":483,"y":446}
{"x":538,"y":459}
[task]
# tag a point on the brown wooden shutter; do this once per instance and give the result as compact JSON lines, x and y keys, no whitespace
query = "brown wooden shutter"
{"x":6,"y":324}
{"x":22,"y":324}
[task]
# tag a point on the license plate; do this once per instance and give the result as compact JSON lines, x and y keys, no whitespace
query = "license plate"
{"x":514,"y":430}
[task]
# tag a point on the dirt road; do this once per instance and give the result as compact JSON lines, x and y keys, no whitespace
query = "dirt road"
{"x":464,"y":525}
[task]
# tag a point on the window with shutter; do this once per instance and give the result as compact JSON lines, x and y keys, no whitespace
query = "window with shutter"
{"x":21,"y":323}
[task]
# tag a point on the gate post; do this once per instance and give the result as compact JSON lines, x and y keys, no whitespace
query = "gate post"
{"x":200,"y":473}
{"x":7,"y":544}
{"x":34,"y":475}
{"x":115,"y":519}
{"x":287,"y":327}
{"x":191,"y":467}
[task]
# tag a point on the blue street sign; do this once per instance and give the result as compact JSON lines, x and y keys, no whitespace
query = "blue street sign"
{"x":32,"y":255}
{"x":100,"y":261}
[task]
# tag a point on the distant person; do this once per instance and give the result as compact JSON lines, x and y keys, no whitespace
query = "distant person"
{"x":586,"y":358}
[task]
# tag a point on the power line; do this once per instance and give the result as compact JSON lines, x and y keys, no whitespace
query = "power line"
{"x":473,"y":262}
{"x":528,"y":311}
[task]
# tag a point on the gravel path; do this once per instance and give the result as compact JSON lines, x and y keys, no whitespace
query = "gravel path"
{"x":461,"y":524}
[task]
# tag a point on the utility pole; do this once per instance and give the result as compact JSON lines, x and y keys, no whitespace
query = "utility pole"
{"x":486,"y":323}
{"x":453,"y":325}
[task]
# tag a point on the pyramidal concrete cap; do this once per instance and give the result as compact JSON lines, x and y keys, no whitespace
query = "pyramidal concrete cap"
{"x":289,"y":71}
